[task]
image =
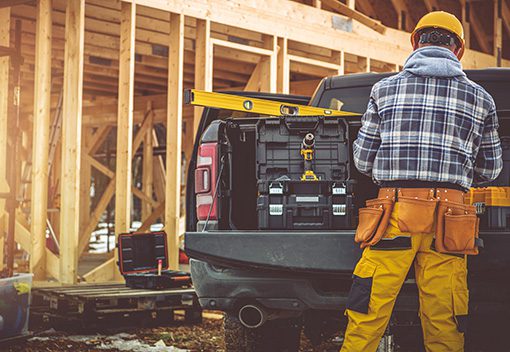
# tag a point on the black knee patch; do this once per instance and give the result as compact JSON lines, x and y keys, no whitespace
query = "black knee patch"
{"x":359,"y":296}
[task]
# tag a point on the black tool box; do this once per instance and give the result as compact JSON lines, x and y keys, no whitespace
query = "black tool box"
{"x":304,"y":205}
{"x":279,"y":147}
{"x":143,"y":262}
{"x":285,"y":201}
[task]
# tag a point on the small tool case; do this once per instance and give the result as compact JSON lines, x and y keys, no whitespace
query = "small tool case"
{"x":143,"y":262}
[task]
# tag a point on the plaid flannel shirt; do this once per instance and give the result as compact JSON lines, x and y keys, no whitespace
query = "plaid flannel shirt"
{"x":429,"y":129}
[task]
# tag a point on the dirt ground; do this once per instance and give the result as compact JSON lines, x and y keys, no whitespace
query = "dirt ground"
{"x":204,"y":337}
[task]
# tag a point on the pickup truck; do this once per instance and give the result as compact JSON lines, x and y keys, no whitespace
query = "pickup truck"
{"x":274,"y":282}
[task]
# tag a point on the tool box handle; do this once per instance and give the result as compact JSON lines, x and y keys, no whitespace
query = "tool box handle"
{"x":301,"y":124}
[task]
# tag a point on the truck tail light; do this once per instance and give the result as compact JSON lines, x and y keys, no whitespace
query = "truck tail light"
{"x":205,"y":181}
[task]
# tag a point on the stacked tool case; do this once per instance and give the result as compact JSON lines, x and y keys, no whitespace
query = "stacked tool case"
{"x":493,"y":202}
{"x":140,"y":254}
{"x":289,"y":203}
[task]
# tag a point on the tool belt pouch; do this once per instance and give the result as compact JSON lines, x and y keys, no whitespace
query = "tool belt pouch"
{"x":416,"y":215}
{"x":457,"y":229}
{"x":373,"y":221}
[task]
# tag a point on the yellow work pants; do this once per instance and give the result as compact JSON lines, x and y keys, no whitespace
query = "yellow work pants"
{"x":378,"y":277}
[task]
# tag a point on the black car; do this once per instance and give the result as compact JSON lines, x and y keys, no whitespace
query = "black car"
{"x":277,"y":254}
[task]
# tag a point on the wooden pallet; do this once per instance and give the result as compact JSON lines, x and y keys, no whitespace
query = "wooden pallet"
{"x":92,"y":305}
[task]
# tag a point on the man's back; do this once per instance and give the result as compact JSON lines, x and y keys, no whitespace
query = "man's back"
{"x":427,"y":125}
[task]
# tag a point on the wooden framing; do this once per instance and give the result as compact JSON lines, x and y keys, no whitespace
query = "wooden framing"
{"x":125,"y":121}
{"x":41,"y":138}
{"x":173,"y":139}
{"x":5,"y":24}
{"x":283,"y":68}
{"x":71,"y":139}
{"x":211,"y":45}
{"x":203,"y":64}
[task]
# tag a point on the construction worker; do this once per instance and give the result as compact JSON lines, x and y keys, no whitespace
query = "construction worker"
{"x":427,"y":130}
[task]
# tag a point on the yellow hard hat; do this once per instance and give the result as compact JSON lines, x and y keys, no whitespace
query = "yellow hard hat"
{"x":444,"y":20}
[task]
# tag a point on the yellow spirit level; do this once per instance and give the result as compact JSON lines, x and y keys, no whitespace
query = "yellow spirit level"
{"x":256,"y":105}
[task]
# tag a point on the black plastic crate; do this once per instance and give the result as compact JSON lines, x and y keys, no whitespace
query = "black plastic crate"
{"x":279,"y":147}
{"x":140,"y":255}
{"x":304,"y":205}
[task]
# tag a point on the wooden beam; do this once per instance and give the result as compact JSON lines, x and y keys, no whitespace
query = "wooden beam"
{"x":99,"y":166}
{"x":203,"y":65}
{"x":147,"y":170}
{"x":41,"y":139}
{"x":241,"y":47}
{"x":269,"y":64}
{"x":173,"y":137}
{"x":497,"y":41}
{"x":101,"y":206}
{"x":465,"y":23}
{"x":8,"y":3}
{"x":355,"y":15}
{"x":5,"y":24}
{"x":125,"y":119}
{"x":283,"y":68}
{"x":71,"y":139}
{"x":102,"y":273}
{"x":253,"y":84}
{"x":85,"y":179}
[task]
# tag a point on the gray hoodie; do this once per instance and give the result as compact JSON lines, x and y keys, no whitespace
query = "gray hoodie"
{"x":434,"y":61}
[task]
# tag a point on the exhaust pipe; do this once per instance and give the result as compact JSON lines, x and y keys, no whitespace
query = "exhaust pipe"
{"x":252,"y":316}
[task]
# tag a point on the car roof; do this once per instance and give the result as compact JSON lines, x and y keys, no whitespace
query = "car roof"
{"x":369,"y":79}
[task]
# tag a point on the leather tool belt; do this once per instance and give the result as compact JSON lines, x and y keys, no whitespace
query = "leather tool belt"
{"x":422,"y":210}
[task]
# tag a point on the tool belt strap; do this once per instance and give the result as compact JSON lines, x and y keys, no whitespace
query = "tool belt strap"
{"x":444,"y":194}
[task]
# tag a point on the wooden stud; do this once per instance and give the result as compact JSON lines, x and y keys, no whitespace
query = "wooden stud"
{"x":497,"y":32}
{"x":268,"y":66}
{"x":71,"y":139}
{"x":85,"y":179}
{"x":125,"y":121}
{"x":283,"y":69}
{"x":5,"y":24}
{"x":351,"y":4}
{"x":41,"y":139}
{"x":174,"y":135}
{"x":147,"y":170}
{"x":465,"y":24}
{"x":203,"y":65}
{"x":317,"y":3}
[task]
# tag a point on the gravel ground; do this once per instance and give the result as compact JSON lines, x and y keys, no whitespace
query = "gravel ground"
{"x":204,"y":337}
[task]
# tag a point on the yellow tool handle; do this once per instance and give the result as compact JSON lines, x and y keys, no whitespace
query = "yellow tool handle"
{"x":256,"y":105}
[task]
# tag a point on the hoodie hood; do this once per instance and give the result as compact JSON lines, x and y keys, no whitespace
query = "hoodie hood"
{"x":434,"y":61}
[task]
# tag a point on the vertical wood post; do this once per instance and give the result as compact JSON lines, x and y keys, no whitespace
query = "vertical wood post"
{"x":283,"y":69}
{"x":203,"y":66}
{"x":41,"y":138}
{"x":5,"y":26}
{"x":497,"y":32}
{"x":125,"y":120}
{"x":147,"y":170}
{"x":465,"y":23}
{"x":71,"y":140}
{"x":269,"y":66}
{"x":174,"y":136}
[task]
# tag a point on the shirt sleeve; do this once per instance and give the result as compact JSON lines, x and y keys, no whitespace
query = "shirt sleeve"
{"x":489,"y":160}
{"x":367,"y":144}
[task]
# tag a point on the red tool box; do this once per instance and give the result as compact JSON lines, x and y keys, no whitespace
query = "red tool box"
{"x":143,"y":261}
